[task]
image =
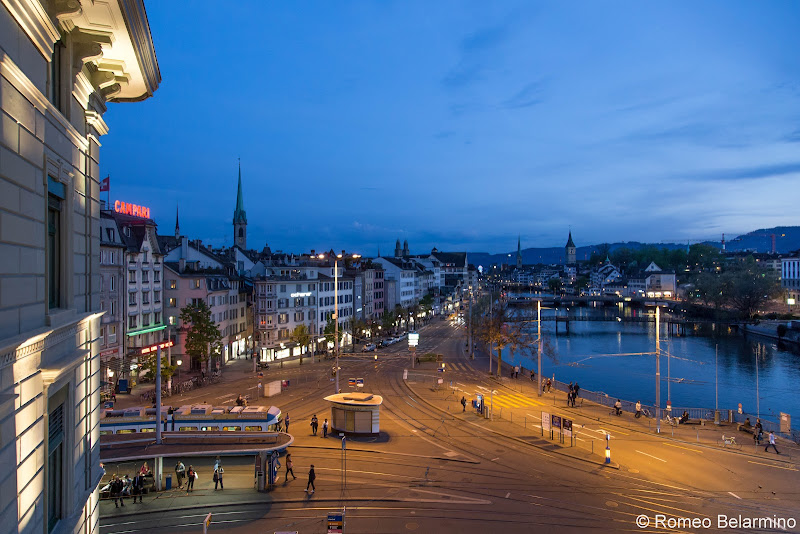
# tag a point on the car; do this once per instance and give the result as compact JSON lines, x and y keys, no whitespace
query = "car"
{"x":369,"y":347}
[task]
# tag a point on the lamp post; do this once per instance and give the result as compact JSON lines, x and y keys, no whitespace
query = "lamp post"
{"x":658,"y":371}
{"x":336,"y":311}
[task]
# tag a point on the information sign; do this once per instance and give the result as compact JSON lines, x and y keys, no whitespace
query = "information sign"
{"x":413,"y":339}
{"x":360,"y":382}
{"x":555,"y":421}
{"x":351,"y":382}
{"x":567,"y":426}
{"x":336,"y":523}
{"x":545,"y":421}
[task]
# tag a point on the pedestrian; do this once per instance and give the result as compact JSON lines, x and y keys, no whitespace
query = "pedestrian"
{"x":549,"y":385}
{"x":314,"y":424}
{"x":218,"y":471}
{"x":289,"y":468}
{"x":757,"y":433}
{"x":516,"y":371}
{"x":192,"y":474}
{"x":577,"y":389}
{"x":311,"y":477}
{"x":138,"y":488}
{"x":286,"y":422}
{"x":771,"y":443}
{"x":180,"y":473}
{"x":325,"y":428}
{"x":544,"y":385}
{"x":638,"y":409}
{"x":571,"y":387}
{"x":116,"y":491}
{"x":533,"y":375}
{"x":463,"y":403}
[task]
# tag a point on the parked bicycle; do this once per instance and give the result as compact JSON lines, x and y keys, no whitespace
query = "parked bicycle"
{"x":729,"y":442}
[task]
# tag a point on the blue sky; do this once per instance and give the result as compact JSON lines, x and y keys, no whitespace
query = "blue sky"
{"x":463,"y":124}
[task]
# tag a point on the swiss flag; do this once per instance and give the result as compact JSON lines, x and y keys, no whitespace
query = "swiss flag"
{"x":105,"y":184}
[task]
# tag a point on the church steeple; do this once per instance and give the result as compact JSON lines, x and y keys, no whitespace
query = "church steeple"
{"x":569,"y":250}
{"x":177,"y":226}
{"x":519,"y":252}
{"x":239,"y":216}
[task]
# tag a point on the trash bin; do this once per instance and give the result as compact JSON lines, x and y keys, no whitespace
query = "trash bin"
{"x":169,"y":482}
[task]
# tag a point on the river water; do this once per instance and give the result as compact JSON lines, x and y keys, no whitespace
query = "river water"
{"x":607,"y":357}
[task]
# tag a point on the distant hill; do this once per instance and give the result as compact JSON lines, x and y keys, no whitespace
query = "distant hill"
{"x":787,"y":239}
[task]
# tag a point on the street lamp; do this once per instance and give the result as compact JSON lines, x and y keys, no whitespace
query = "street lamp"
{"x":179,"y":362}
{"x":336,"y":309}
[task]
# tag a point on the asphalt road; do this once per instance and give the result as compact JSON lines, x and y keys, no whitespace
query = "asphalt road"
{"x":435,"y":469}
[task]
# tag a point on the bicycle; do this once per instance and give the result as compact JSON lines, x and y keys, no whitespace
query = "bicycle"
{"x":729,"y":442}
{"x":671,"y":420}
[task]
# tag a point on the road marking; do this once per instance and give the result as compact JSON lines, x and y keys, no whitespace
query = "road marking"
{"x":495,"y":459}
{"x":616,"y":432}
{"x":680,"y":447}
{"x":732,"y":493}
{"x":775,"y":466}
{"x":534,"y":416}
{"x":508,"y":495}
{"x":651,"y":456}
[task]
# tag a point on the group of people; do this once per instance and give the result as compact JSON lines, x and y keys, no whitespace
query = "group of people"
{"x":315,"y":426}
{"x":125,"y":486}
{"x":290,"y":471}
{"x":547,"y":384}
{"x":572,"y":394}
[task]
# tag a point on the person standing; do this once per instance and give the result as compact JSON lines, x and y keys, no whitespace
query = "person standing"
{"x":463,"y":403}
{"x":314,"y":425}
{"x":577,"y":389}
{"x":116,"y":491}
{"x":286,"y":422}
{"x":190,"y":481}
{"x":638,"y":409}
{"x":138,"y":487}
{"x":289,"y":468}
{"x":544,"y":385}
{"x":311,"y":477}
{"x":218,"y":471}
{"x":325,"y":428}
{"x":757,"y":433}
{"x":771,"y":443}
{"x":180,"y":473}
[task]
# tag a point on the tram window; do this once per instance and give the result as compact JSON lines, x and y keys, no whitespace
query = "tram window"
{"x":187,"y":429}
{"x":208,"y":428}
{"x":105,"y":432}
{"x":231,"y":428}
{"x":147,"y":430}
{"x":252,"y":428}
{"x":126,"y":431}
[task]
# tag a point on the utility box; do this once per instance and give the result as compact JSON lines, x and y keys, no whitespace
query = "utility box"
{"x":272,"y":388}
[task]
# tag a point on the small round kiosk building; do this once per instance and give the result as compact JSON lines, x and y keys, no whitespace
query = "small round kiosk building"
{"x":355,"y":413}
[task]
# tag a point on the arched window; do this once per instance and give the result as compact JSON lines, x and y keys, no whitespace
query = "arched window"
{"x":241,"y":232}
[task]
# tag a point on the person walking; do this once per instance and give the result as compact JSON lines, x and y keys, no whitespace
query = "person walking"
{"x":116,"y":491}
{"x":138,"y":488}
{"x":758,"y":431}
{"x":180,"y":473}
{"x":544,"y":385}
{"x":325,"y":428}
{"x":577,"y":389}
{"x":311,"y":477}
{"x":771,"y":443}
{"x":549,"y":385}
{"x":533,"y":375}
{"x":314,"y":425}
{"x":286,"y":422}
{"x":638,"y":409}
{"x":218,"y":472}
{"x":190,"y":481}
{"x":463,"y":404}
{"x":289,"y":468}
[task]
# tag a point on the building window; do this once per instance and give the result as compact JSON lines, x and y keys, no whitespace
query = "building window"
{"x":56,"y":194}
{"x":112,"y":334}
{"x":131,"y":277}
{"x":112,"y":283}
{"x":132,"y":321}
{"x":131,"y":299}
{"x":173,"y":284}
{"x":283,"y":318}
{"x":156,"y":276}
{"x":113,"y":308}
{"x":173,"y":302}
{"x":157,"y":319}
{"x":197,"y":284}
{"x":145,"y":277}
{"x":172,"y":320}
{"x":56,"y":75}
{"x":55,"y":466}
{"x":156,"y":296}
{"x":102,"y":336}
{"x":146,"y":319}
{"x":145,"y":297}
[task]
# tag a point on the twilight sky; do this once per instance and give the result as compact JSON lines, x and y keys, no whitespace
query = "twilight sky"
{"x":463,"y":124}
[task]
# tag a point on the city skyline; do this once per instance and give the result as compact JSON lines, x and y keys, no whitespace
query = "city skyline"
{"x":462,"y":128}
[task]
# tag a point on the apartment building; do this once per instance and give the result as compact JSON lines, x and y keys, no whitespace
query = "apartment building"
{"x":112,"y":290}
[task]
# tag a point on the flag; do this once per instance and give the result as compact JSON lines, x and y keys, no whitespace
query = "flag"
{"x":105,"y":184}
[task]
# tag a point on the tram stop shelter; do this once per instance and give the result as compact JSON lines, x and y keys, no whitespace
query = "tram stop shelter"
{"x":355,"y":413}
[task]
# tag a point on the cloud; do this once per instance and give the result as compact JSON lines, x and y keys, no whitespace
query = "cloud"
{"x":444,"y":134}
{"x":747,"y":173}
{"x":474,"y":47}
{"x":528,"y":96}
{"x":793,"y":137}
{"x":462,"y":75}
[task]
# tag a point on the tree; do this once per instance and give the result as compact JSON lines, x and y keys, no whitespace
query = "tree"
{"x":387,"y":321}
{"x":202,"y":334}
{"x":302,"y":337}
{"x":330,"y":331}
{"x":555,"y":285}
{"x":749,"y":286}
{"x":149,"y":367}
{"x":495,"y":329}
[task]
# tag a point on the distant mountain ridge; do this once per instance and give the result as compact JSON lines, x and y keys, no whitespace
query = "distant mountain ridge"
{"x":787,"y":239}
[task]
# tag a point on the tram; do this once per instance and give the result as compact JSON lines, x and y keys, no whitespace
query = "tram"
{"x":192,"y":418}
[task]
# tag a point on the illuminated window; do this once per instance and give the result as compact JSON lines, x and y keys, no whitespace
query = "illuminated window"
{"x":232,"y":428}
{"x":252,"y":429}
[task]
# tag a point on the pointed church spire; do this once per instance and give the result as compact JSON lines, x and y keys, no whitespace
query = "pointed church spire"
{"x":519,"y":251}
{"x":239,"y":216}
{"x":177,"y":226}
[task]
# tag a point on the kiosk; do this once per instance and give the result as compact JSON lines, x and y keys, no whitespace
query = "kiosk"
{"x":355,"y":413}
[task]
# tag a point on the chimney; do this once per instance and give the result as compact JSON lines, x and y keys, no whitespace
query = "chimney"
{"x":343,"y":254}
{"x":181,"y":265}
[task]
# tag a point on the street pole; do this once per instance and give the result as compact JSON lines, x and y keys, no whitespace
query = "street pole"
{"x":491,"y":325}
{"x":169,"y":358}
{"x":716,"y":378}
{"x":539,"y":351}
{"x":471,"y":342}
{"x":658,"y":371}
{"x":758,"y":398}
{"x":336,"y":316}
{"x":158,"y":394}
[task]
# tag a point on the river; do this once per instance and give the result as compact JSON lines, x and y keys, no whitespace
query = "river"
{"x":607,"y":357}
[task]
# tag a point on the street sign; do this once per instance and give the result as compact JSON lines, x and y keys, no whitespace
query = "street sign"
{"x":545,"y":421}
{"x":351,"y":382}
{"x":413,"y":339}
{"x":336,"y":523}
{"x":555,"y":421}
{"x":360,"y":382}
{"x":206,"y":523}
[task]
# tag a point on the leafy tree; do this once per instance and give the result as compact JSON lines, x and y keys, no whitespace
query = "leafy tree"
{"x":749,"y":286}
{"x":302,"y":337}
{"x":703,"y":256}
{"x":555,"y":285}
{"x":387,"y":321}
{"x":202,"y":334}
{"x":330,"y":331}
{"x":149,"y":367}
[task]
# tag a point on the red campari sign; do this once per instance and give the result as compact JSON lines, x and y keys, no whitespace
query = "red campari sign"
{"x":131,"y":209}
